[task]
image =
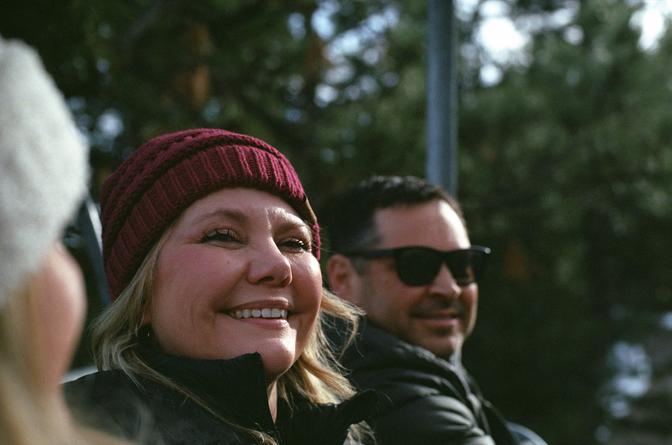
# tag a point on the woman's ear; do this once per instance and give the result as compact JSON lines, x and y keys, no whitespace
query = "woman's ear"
{"x":344,"y":280}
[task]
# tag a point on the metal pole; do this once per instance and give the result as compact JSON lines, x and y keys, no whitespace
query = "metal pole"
{"x":441,"y":164}
{"x":89,"y":225}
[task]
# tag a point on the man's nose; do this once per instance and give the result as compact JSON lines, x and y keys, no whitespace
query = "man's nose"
{"x":269,"y":266}
{"x":444,"y":283}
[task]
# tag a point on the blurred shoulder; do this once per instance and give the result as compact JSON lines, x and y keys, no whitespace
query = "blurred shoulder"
{"x":109,"y":401}
{"x":97,"y":385}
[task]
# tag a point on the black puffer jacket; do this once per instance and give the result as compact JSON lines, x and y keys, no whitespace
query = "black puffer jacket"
{"x":427,"y":400}
{"x":235,"y":389}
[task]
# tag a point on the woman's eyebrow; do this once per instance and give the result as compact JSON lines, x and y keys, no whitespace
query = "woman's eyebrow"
{"x":283,"y":221}
{"x":286,"y":223}
{"x":291,"y":224}
{"x":231,"y":214}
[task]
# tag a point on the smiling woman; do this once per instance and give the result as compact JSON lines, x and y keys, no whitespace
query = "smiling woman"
{"x":211,"y":250}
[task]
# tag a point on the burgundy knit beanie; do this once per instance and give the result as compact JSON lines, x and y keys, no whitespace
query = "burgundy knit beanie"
{"x":167,"y":174}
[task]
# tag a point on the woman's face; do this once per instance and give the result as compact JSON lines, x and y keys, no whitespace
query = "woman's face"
{"x":57,"y":311}
{"x":236,"y":275}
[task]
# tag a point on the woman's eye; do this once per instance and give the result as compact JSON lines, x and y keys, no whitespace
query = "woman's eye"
{"x":296,"y":244}
{"x":222,"y":236}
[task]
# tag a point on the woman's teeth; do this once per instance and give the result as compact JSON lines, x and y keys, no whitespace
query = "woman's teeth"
{"x":260,"y":313}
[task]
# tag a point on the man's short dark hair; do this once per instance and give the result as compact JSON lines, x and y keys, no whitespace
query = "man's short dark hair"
{"x":349,"y":216}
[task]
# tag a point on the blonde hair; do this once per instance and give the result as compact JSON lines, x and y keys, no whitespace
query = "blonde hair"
{"x":27,"y":415}
{"x":316,"y":375}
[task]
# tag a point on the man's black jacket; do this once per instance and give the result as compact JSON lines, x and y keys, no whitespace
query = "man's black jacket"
{"x":426,"y":400}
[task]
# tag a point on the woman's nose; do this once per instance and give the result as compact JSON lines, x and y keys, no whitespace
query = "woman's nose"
{"x":269,"y":266}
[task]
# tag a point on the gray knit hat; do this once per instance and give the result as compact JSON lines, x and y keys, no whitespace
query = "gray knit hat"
{"x":43,"y":164}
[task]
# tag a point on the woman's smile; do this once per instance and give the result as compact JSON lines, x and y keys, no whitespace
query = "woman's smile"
{"x":266,"y":313}
{"x":269,"y":312}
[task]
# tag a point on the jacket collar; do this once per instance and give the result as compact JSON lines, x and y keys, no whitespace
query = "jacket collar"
{"x":236,"y":389}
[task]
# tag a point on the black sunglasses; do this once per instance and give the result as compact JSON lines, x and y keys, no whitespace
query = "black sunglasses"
{"x":418,"y":265}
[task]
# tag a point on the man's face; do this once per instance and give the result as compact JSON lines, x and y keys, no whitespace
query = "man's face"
{"x":437,"y":316}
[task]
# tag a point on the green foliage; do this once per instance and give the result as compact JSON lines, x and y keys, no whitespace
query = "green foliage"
{"x":566,"y":172}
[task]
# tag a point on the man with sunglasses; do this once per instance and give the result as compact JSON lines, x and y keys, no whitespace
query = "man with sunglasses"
{"x":401,"y":252}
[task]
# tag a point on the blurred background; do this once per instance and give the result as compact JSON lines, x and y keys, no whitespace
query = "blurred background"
{"x":564,"y":158}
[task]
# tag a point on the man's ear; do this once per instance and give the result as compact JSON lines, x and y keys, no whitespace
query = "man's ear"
{"x":343,"y":278}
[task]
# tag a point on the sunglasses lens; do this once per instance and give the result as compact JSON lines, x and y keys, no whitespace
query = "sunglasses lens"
{"x":464,"y":266}
{"x":417,"y":267}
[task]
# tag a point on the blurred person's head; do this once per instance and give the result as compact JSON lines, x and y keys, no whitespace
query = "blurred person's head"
{"x":211,"y":251}
{"x":402,"y":253}
{"x":43,"y":174}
